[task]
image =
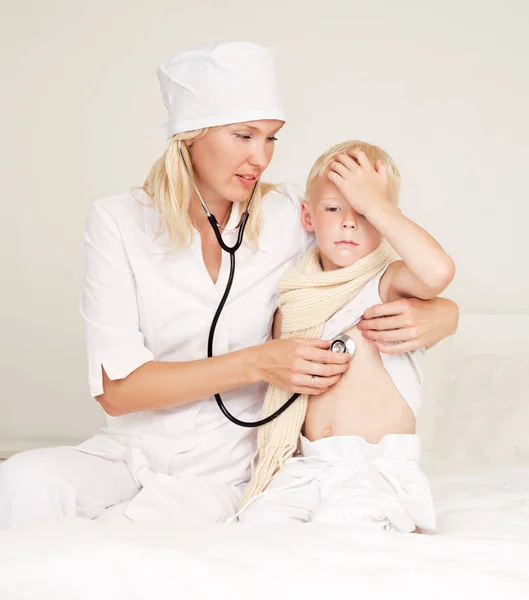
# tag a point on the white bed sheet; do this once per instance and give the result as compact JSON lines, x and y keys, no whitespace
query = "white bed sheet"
{"x":475,"y":426}
{"x":482,"y":551}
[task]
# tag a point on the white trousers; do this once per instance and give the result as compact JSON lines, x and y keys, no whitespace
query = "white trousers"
{"x":347,"y":480}
{"x":57,"y":482}
{"x":73,"y":482}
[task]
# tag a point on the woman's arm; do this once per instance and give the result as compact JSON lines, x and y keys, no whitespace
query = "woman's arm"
{"x":156,"y":385}
{"x":123,"y":372}
{"x":288,"y":364}
{"x":410,"y":322}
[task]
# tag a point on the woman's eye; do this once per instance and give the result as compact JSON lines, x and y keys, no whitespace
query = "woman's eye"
{"x":245,"y":136}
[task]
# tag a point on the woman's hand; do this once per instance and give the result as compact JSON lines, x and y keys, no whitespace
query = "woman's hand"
{"x":299,"y":365}
{"x":409,"y":324}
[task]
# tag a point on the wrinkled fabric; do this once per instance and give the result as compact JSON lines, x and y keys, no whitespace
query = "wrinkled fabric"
{"x":219,"y":84}
{"x":347,"y":480}
{"x":140,"y":303}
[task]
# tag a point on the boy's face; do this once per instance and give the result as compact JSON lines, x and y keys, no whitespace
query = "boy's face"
{"x":342,"y":235}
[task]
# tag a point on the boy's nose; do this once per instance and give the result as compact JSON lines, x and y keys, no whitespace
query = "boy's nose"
{"x":349,"y":224}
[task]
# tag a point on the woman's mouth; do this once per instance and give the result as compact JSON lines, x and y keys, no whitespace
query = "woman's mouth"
{"x":247,"y":180}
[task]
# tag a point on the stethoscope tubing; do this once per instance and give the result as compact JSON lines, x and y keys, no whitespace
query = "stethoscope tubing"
{"x":231,"y":251}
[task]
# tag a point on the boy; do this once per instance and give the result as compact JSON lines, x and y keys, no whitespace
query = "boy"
{"x":358,"y":454}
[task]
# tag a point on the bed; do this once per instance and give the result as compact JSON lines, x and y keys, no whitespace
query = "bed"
{"x":475,"y":429}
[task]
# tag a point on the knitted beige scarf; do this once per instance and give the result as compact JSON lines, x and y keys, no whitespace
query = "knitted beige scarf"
{"x":307,"y":297}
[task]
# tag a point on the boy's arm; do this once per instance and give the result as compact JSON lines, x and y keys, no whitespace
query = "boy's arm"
{"x":426,"y":269}
{"x":276,"y":326}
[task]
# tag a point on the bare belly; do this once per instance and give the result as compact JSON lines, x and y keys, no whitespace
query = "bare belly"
{"x":364,"y":402}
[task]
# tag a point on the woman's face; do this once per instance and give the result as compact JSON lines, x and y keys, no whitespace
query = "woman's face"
{"x":228,"y":160}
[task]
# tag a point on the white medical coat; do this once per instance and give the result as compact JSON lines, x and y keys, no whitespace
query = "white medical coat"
{"x":141,"y":303}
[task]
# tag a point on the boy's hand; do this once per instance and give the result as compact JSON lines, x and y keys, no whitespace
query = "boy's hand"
{"x":362,"y":185}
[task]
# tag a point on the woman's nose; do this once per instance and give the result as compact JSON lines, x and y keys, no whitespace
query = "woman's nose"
{"x":259,"y":156}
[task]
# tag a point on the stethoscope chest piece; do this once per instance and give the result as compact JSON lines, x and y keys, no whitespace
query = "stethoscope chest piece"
{"x":343,"y":343}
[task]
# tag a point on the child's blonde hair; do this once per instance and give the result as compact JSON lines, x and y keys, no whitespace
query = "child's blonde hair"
{"x":373,"y":153}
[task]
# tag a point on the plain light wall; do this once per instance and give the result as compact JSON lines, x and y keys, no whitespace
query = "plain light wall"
{"x":443,"y":86}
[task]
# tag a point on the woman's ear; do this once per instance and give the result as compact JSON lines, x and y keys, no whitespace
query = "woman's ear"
{"x":306,"y":217}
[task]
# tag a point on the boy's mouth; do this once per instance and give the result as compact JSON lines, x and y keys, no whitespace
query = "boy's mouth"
{"x":346,"y":243}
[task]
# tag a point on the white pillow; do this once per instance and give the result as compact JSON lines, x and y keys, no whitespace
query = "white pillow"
{"x":476,"y":410}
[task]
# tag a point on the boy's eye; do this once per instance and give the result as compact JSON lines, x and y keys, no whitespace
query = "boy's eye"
{"x":272,"y":138}
{"x":332,"y":208}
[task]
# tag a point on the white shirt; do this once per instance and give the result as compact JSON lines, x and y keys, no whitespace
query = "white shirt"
{"x":141,"y":303}
{"x":404,"y":369}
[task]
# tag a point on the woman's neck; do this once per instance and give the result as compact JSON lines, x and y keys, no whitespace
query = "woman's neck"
{"x":219,"y":207}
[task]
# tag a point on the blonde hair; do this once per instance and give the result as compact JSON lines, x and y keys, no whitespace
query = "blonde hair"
{"x":373,"y":153}
{"x":170,"y":190}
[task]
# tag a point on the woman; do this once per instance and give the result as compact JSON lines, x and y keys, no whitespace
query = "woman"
{"x":154,"y":276}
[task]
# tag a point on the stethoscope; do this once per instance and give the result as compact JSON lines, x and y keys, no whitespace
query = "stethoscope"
{"x":342,"y":343}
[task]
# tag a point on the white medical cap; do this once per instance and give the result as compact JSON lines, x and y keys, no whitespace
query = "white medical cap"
{"x":219,"y":84}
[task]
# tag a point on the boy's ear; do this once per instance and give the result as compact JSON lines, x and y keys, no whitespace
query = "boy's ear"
{"x":306,"y":218}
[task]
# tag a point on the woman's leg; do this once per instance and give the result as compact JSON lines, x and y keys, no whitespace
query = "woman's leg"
{"x":61,"y":482}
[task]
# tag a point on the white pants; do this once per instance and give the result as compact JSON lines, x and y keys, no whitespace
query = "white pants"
{"x":71,"y":481}
{"x":347,"y":480}
{"x":56,"y":482}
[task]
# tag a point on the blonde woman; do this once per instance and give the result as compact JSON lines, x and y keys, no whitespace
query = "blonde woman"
{"x":154,"y":275}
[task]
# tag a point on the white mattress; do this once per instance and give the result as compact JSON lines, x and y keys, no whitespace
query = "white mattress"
{"x":482,"y":550}
{"x":475,"y":431}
